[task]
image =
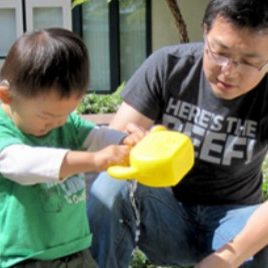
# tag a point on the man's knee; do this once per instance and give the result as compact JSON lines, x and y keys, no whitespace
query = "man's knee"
{"x":106,"y":189}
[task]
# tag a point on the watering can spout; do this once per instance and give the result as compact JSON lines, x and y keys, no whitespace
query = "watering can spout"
{"x":122,"y":172}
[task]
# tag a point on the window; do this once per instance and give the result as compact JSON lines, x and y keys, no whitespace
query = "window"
{"x":117,"y":33}
{"x":48,"y":13}
{"x":21,"y":16}
{"x":117,"y":36}
{"x":132,"y":36}
{"x":11,"y":15}
{"x":95,"y":32}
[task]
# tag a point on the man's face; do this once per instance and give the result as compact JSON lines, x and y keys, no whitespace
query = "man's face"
{"x":234,"y":58}
{"x":39,"y":115}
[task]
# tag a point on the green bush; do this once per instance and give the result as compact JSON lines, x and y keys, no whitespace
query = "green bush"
{"x":94,"y":103}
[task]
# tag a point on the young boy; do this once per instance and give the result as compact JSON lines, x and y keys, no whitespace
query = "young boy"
{"x":43,"y":152}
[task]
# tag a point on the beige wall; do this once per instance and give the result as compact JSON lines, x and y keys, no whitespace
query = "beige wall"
{"x":164,"y":31}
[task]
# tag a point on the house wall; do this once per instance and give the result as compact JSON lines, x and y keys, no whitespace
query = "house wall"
{"x":164,"y":31}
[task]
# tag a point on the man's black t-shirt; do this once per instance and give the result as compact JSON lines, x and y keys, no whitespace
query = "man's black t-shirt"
{"x":229,"y":136}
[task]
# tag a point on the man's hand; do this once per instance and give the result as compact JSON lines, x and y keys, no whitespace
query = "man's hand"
{"x":136,"y":133}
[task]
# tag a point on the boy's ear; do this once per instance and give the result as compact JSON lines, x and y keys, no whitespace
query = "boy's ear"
{"x":5,"y":95}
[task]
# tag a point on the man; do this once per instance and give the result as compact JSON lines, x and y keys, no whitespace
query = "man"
{"x":216,"y":92}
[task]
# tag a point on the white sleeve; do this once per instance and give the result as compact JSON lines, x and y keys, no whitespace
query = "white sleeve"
{"x":30,"y":165}
{"x":100,"y":137}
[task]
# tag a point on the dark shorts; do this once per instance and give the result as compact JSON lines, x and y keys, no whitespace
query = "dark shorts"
{"x":81,"y":259}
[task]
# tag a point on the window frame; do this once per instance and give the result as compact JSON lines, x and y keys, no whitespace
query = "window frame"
{"x":66,"y":6}
{"x":17,"y":5}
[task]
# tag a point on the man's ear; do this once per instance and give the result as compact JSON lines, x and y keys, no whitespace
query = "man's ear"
{"x":5,"y":95}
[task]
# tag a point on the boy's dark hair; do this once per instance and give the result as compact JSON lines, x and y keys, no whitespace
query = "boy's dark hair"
{"x":252,"y":14}
{"x":49,"y":59}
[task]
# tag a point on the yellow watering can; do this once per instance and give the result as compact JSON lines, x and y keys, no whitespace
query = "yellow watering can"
{"x":160,"y":159}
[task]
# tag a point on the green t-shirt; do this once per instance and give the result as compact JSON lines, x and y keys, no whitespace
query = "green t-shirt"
{"x":48,"y":220}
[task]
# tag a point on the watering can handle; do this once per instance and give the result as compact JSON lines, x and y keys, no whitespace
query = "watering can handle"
{"x":129,"y":172}
{"x":122,"y":172}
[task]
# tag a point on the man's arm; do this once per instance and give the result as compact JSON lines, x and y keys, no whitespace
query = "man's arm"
{"x":247,"y":243}
{"x":127,"y":114}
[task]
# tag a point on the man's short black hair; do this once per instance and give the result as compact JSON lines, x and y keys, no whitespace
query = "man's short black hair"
{"x":252,"y":14}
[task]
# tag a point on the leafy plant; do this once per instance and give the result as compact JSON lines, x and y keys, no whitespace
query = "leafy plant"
{"x":139,"y":260}
{"x":94,"y":103}
{"x":78,"y":2}
{"x":265,"y":178}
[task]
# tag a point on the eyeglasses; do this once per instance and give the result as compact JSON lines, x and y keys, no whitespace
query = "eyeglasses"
{"x":223,"y":61}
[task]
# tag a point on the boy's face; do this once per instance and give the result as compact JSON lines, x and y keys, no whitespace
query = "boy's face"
{"x":39,"y":115}
{"x":234,"y":58}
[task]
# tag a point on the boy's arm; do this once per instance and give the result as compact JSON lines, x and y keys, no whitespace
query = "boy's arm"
{"x":30,"y":165}
{"x":252,"y":238}
{"x":100,"y":137}
{"x":81,"y":161}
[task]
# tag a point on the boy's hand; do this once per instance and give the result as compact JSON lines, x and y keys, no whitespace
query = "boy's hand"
{"x":111,"y":155}
{"x":119,"y":154}
{"x":136,"y":133}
